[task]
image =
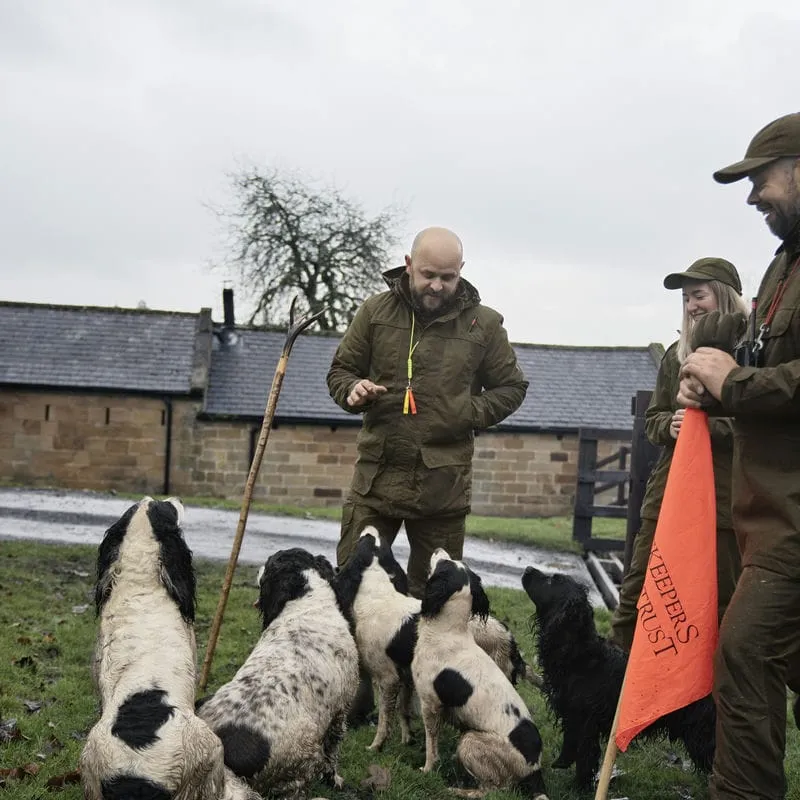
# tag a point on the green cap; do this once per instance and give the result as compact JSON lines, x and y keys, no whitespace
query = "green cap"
{"x":706,"y":269}
{"x":779,"y":139}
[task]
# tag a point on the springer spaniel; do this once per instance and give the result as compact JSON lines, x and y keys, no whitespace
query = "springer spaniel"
{"x":457,"y":681}
{"x":374,"y":588}
{"x":283,"y":715}
{"x":148,"y":742}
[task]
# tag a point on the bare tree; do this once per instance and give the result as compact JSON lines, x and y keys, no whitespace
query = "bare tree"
{"x":289,"y":238}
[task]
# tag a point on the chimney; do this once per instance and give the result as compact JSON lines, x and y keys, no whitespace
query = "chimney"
{"x":227,"y":308}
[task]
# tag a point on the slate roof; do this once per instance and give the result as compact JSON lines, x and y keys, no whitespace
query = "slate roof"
{"x":96,"y":348}
{"x":570,"y":387}
{"x":240,"y":378}
{"x":133,"y":350}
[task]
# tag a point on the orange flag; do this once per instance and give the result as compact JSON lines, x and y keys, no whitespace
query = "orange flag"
{"x":671,"y":660}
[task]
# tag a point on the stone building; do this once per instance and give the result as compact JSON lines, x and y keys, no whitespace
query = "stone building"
{"x":164,"y":402}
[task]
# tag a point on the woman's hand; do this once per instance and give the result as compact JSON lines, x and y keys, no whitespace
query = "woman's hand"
{"x":677,"y":421}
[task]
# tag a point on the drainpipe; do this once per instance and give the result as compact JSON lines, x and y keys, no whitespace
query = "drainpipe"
{"x":168,"y":445}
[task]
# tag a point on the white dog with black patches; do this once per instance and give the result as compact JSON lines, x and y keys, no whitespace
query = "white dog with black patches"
{"x":148,"y":743}
{"x":374,"y":586}
{"x":457,"y":681}
{"x":282,"y":717}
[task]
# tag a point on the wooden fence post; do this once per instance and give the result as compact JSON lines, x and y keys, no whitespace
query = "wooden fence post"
{"x":643,"y":456}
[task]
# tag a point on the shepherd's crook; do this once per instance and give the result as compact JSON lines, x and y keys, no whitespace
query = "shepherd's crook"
{"x":295,"y":329}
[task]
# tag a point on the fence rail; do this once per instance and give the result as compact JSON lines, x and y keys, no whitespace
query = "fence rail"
{"x":632,"y":461}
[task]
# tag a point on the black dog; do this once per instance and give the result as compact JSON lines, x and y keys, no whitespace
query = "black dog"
{"x":583,"y":675}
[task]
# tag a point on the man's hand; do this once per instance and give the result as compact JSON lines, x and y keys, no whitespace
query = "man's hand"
{"x":675,"y":422}
{"x":363,"y":392}
{"x":708,"y":367}
{"x":691,"y":393}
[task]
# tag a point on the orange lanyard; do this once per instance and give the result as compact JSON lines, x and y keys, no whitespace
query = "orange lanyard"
{"x":409,"y":404}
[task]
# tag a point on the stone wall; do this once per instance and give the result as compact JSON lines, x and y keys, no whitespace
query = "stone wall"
{"x":93,"y":441}
{"x":117,"y":442}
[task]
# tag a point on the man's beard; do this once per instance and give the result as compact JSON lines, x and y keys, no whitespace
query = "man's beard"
{"x":427,"y":314}
{"x":785,"y":221}
{"x":783,"y":224}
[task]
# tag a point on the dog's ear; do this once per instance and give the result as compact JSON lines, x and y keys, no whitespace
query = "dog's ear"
{"x":323,"y":566}
{"x":177,"y":575}
{"x":480,"y":600}
{"x":438,"y":590}
{"x":176,"y":570}
{"x":392,"y":567}
{"x":348,"y":578}
{"x":279,"y":585}
{"x":107,"y":554}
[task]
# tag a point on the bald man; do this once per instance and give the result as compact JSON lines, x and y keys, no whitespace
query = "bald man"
{"x":426,"y":364}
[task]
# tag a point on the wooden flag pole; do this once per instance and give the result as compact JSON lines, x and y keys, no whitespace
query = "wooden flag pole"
{"x":604,"y":778}
{"x":295,"y":328}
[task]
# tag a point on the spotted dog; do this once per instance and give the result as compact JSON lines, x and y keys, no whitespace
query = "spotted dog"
{"x":282,"y":717}
{"x":148,"y":743}
{"x":374,"y":587}
{"x":457,"y":681}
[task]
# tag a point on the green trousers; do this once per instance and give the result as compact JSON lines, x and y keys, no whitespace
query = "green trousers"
{"x":424,"y":536}
{"x":729,"y":567}
{"x":758,"y":655}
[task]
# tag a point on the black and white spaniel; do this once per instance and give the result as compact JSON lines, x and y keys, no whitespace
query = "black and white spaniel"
{"x":148,"y":742}
{"x":583,"y":674}
{"x":283,"y":715}
{"x":457,"y":681}
{"x":374,"y":589}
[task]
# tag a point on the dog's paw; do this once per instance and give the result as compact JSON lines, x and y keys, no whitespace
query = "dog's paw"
{"x":562,"y":763}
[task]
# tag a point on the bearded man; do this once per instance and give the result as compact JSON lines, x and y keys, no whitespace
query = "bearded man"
{"x":759,"y":644}
{"x":426,"y":364}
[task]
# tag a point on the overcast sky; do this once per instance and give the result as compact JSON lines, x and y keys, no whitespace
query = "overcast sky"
{"x":570,"y":144}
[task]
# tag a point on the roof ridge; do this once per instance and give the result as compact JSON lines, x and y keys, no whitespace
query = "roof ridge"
{"x":105,"y":309}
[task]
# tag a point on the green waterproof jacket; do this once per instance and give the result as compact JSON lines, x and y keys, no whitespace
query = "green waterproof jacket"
{"x":658,"y":416}
{"x":465,"y":377}
{"x":765,"y":404}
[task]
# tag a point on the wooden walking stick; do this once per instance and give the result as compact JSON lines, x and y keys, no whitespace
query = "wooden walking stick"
{"x":295,"y":329}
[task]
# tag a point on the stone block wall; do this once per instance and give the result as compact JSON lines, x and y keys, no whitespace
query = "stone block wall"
{"x":87,"y":441}
{"x":93,"y":441}
{"x":303,"y":465}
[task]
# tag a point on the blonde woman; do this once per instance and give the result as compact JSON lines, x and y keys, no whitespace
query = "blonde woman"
{"x":710,"y":284}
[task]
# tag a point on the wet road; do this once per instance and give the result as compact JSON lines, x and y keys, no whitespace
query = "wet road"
{"x":82,"y":518}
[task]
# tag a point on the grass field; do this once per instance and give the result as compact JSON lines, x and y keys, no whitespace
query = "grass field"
{"x":47,"y":627}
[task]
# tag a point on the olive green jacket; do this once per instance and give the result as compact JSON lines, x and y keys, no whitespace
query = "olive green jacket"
{"x":765,"y":404}
{"x":658,"y":417}
{"x":465,"y":378}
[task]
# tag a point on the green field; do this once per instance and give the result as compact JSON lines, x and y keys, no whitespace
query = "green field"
{"x":47,"y":628}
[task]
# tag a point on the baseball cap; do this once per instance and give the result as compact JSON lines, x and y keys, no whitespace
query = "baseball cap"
{"x":779,"y":139}
{"x":706,"y":269}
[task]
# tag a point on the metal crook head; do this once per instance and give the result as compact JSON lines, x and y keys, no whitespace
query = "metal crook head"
{"x":296,"y":327}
